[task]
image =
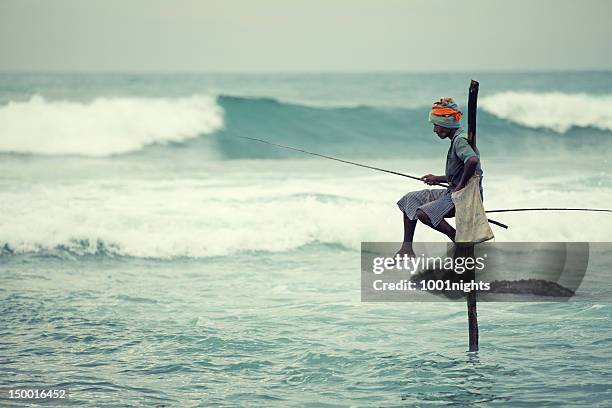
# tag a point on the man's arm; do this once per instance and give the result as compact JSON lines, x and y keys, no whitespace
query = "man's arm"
{"x":468,"y":171}
{"x":432,"y":180}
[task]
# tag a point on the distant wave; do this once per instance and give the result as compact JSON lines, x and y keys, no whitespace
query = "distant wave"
{"x":339,"y":130}
{"x":553,"y":110}
{"x":111,"y":126}
{"x":104,"y":126}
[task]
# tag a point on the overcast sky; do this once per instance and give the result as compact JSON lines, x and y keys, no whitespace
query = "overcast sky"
{"x":305,"y":35}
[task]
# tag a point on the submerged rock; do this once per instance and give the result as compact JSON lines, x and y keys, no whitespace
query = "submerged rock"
{"x":537,"y":287}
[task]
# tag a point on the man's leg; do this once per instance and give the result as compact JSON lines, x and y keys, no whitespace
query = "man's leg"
{"x":408,"y":203}
{"x":444,"y":227}
{"x":409,"y":226}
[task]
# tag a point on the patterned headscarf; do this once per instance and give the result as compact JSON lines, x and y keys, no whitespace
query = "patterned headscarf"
{"x":445,"y":112}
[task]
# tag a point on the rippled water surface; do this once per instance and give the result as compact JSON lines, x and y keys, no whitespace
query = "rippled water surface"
{"x":244,"y":331}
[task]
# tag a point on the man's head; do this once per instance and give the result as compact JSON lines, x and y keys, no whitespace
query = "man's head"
{"x":445,"y":116}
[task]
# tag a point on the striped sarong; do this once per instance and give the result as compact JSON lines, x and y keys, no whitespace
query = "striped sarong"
{"x":436,"y":203}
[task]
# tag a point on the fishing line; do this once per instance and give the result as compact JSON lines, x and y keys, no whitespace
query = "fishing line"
{"x":548,"y":209}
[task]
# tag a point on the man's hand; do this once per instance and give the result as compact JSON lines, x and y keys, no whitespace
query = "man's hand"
{"x":431,"y":179}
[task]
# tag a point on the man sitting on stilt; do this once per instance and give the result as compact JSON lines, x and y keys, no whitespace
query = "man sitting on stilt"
{"x":431,"y":206}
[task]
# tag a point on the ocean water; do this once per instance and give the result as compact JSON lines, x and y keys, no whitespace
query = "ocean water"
{"x":150,"y":257}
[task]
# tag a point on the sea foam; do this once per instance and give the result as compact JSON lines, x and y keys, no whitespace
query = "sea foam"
{"x":553,"y":110}
{"x":104,"y":126}
{"x":210,"y":217}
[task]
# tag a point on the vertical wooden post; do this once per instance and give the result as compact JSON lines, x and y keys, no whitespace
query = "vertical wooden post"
{"x":472,"y":312}
{"x":470,"y":274}
{"x":472,"y":107}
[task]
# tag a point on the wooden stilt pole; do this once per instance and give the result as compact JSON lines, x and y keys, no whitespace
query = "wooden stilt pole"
{"x":472,"y":107}
{"x":472,"y":312}
{"x":471,"y":275}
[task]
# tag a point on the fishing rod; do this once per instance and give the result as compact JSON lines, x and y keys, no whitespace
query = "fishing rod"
{"x":336,"y":159}
{"x":420,"y":179}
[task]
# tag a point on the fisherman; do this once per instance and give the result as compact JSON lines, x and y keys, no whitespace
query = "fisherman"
{"x":431,"y":206}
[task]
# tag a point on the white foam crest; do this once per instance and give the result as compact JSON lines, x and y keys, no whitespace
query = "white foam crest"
{"x":104,"y":126}
{"x":144,"y":226}
{"x":553,"y":110}
{"x":203,"y":217}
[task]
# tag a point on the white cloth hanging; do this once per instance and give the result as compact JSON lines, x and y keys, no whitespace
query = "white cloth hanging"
{"x":470,"y":218}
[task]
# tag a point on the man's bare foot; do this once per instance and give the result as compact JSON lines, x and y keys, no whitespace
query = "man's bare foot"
{"x":405,"y":250}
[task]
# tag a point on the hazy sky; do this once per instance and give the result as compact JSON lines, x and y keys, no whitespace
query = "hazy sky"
{"x":305,"y":35}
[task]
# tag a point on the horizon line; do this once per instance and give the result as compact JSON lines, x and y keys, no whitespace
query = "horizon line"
{"x":302,"y":72}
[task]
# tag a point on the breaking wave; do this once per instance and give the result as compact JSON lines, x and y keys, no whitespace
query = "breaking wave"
{"x":104,"y":126}
{"x":201,"y":218}
{"x":553,"y":110}
{"x":206,"y":124}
